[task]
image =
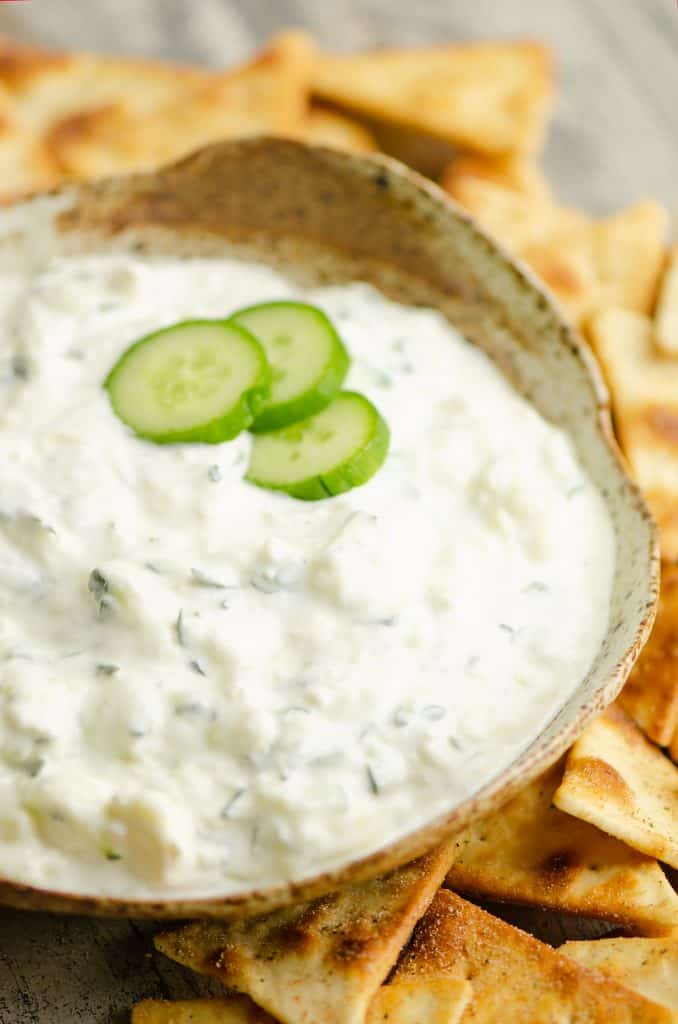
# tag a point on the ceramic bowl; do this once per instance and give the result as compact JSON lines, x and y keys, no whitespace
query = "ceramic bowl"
{"x":326,"y":216}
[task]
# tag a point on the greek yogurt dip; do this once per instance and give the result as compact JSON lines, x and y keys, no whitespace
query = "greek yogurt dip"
{"x":279,"y":686}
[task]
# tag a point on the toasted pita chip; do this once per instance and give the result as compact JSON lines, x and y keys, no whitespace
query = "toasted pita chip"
{"x":620,"y":782}
{"x":328,"y":127}
{"x":268,"y":95}
{"x":650,"y":695}
{"x":517,"y":172}
{"x":25,"y":164}
{"x":321,"y":962}
{"x":666,"y":317}
{"x":648,"y":966}
{"x":644,"y":390}
{"x":489,"y":97}
{"x":530,"y":852}
{"x":235,"y":1010}
{"x":588,"y":265}
{"x":420,"y":1000}
{"x":514,"y":977}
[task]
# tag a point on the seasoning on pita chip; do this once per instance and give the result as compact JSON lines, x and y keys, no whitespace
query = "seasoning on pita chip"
{"x":420,"y":1000}
{"x":530,"y":852}
{"x":648,"y":966}
{"x":513,"y":976}
{"x":234,"y":1010}
{"x":319,"y":962}
{"x":327,"y":127}
{"x":650,"y":695}
{"x":488,"y":97}
{"x":621,"y":783}
{"x":268,"y":95}
{"x":644,"y":388}
{"x":666,"y":316}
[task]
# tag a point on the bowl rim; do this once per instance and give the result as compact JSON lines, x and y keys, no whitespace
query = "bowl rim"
{"x":536,"y":757}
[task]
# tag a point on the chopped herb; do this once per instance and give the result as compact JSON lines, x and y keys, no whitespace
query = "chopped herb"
{"x":112,"y":855}
{"x":214,"y":474}
{"x":402,"y":717}
{"x":507,"y":629}
{"x":197,"y":667}
{"x":179,"y":629}
{"x":255,"y":836}
{"x":454,"y":742}
{"x":225,"y":605}
{"x":33,"y":767}
{"x":137,"y":731}
{"x":75,"y":353}
{"x":536,"y":587}
{"x":574,"y":491}
{"x":201,"y":579}
{"x":407,"y":368}
{"x":228,"y":807}
{"x":472,"y":663}
{"x":433,"y":712}
{"x":239,"y":459}
{"x":371,"y":780}
{"x":193,"y":707}
{"x":20,"y":366}
{"x":153,"y":568}
{"x":265,"y":584}
{"x":99,"y":588}
{"x":107,"y":668}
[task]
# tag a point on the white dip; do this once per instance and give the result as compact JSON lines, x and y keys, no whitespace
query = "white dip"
{"x":280,"y":685}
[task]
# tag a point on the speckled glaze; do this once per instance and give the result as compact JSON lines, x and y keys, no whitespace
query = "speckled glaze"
{"x":326,"y":216}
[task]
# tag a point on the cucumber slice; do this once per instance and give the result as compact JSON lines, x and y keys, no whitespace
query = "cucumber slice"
{"x":333,"y":451}
{"x":200,"y":380}
{"x":307,"y":357}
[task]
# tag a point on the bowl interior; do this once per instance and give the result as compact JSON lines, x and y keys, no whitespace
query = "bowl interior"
{"x":326,"y":217}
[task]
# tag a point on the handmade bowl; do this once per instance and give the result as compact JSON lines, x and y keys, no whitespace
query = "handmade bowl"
{"x":327,"y":216}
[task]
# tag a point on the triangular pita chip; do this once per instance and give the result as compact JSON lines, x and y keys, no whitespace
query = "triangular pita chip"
{"x":234,"y":1010}
{"x":530,"y":852}
{"x":489,"y":97}
{"x":648,"y":966}
{"x":513,"y":976}
{"x":650,"y":695}
{"x":269,"y":95}
{"x":644,"y":388}
{"x":420,"y":1000}
{"x":666,"y":316}
{"x":588,"y":265}
{"x":619,"y":781}
{"x":320,"y":962}
{"x":327,"y":127}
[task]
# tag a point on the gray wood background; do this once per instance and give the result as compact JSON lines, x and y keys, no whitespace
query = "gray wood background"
{"x":614,"y":140}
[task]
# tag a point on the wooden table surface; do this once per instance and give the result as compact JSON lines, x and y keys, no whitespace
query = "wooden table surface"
{"x":614,"y":139}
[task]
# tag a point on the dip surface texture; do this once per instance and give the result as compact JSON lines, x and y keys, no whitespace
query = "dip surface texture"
{"x":207,"y":687}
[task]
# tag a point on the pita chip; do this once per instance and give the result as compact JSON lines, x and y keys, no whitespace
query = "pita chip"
{"x":327,"y":127}
{"x":234,"y":1010}
{"x":487,"y":97}
{"x":513,"y":976}
{"x":269,"y":95}
{"x":650,"y":695}
{"x":644,"y":388}
{"x":620,"y":782}
{"x":420,"y":1000}
{"x":666,"y":316}
{"x":516,"y":172}
{"x":530,"y":852}
{"x":648,"y":966}
{"x":319,"y":962}
{"x":674,"y":747}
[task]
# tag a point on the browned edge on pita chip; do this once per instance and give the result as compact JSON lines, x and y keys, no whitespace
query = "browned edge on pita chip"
{"x":529,"y":852}
{"x":648,"y":966}
{"x":233,"y":1010}
{"x":650,"y":695}
{"x":620,"y":782}
{"x":489,"y":97}
{"x":319,"y":962}
{"x":513,"y":976}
